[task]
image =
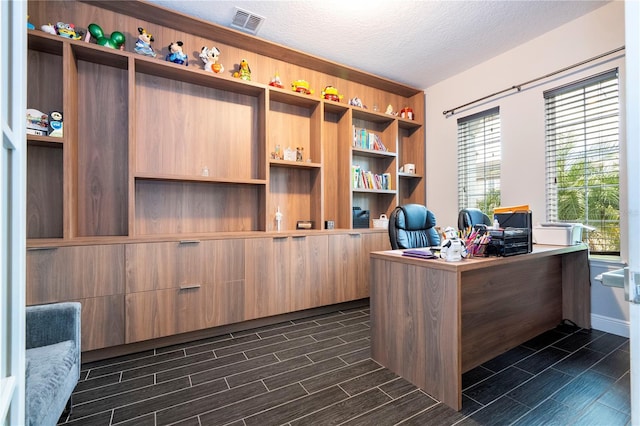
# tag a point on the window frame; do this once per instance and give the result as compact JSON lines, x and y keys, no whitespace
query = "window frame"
{"x":486,"y":193}
{"x":596,"y":118}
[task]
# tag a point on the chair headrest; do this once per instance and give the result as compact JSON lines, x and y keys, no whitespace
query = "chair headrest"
{"x":415,"y":218}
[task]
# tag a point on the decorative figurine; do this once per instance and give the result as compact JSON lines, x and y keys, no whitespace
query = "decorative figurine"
{"x":210,"y":59}
{"x":301,"y":86}
{"x":143,"y":44}
{"x":114,"y":41}
{"x":299,"y":151}
{"x":30,"y":26}
{"x":453,"y":248}
{"x":407,"y":113}
{"x":244,"y":72}
{"x":356,"y":102}
{"x":389,"y":110}
{"x":331,"y":93}
{"x":49,"y":29}
{"x":176,"y":55}
{"x":276,"y":82}
{"x":67,"y":31}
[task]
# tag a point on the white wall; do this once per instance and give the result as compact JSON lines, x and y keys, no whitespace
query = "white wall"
{"x":521,"y":113}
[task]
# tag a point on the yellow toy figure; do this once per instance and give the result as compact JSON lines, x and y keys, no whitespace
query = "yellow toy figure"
{"x":244,"y":72}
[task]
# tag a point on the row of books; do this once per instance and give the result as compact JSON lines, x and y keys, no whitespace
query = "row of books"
{"x":364,"y":139}
{"x":363,"y":179}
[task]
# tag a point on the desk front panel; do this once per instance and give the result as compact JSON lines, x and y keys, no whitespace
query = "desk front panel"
{"x":415,"y":326}
{"x":507,"y":304}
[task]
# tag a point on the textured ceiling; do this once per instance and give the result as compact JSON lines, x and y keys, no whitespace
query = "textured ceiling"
{"x":418,"y":43}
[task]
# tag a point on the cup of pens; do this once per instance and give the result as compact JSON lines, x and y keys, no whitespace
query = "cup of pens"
{"x":476,"y":241}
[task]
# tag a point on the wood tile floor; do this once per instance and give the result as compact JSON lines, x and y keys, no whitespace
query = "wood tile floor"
{"x":319,"y":371}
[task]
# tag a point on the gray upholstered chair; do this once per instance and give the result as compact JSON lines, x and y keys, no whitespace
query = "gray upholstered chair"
{"x":52,"y":361}
{"x":412,"y":226}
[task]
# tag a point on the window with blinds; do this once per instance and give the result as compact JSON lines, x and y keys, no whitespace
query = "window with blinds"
{"x":583,"y":158}
{"x":479,"y":159}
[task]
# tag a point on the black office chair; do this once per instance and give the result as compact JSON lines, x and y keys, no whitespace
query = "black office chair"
{"x":412,"y":226}
{"x":471,"y":217}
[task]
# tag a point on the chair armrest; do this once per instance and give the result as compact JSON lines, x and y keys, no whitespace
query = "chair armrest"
{"x":52,"y":323}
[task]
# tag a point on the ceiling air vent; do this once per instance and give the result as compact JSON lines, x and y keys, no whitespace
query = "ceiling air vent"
{"x":247,"y":21}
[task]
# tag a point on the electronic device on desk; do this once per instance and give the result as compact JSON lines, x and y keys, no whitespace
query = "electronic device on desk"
{"x":509,"y":242}
{"x":360,"y":218}
{"x":515,"y":217}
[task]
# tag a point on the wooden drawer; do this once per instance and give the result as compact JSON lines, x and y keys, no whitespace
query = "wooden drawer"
{"x":71,"y":273}
{"x":159,"y":313}
{"x":175,"y":265}
{"x":91,"y":275}
{"x":102,"y":322}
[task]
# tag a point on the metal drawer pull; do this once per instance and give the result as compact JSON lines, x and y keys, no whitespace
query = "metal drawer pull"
{"x":41,"y":248}
{"x":189,"y":242}
{"x":189,"y":286}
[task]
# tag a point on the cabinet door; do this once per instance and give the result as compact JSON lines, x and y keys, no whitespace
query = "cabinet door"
{"x":309,"y":277}
{"x":202,"y":286}
{"x":91,"y":275}
{"x":267,"y":270}
{"x":345,"y":271}
{"x":375,"y":241}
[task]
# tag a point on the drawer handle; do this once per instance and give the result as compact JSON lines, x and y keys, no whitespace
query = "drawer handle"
{"x":189,"y":242}
{"x":189,"y":286}
{"x":298,"y":236}
{"x":41,"y":248}
{"x":354,"y":234}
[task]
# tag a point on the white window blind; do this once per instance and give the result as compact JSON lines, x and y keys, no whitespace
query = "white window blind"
{"x":583,"y":158}
{"x":479,"y":158}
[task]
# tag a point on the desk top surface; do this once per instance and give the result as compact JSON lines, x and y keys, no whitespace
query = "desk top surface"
{"x":539,"y":251}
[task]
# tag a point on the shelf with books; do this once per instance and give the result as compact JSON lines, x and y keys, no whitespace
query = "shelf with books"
{"x":373,"y":153}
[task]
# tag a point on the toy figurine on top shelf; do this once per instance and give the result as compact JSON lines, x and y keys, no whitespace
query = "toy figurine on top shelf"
{"x":176,"y":55}
{"x":357,"y":102}
{"x":276,"y":82}
{"x":244,"y":72}
{"x":331,"y":93}
{"x":114,"y":41}
{"x":143,"y":44}
{"x":390,"y":111}
{"x":301,"y":86}
{"x":67,"y":31}
{"x":407,"y":113}
{"x":30,"y":26}
{"x":210,"y":59}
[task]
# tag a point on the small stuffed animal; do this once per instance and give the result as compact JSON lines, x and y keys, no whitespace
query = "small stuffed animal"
{"x":210,"y":59}
{"x":49,"y":29}
{"x":143,"y":44}
{"x":244,"y":72}
{"x":114,"y":41}
{"x":176,"y":55}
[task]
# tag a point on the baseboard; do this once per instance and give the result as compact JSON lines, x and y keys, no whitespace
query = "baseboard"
{"x":610,"y":325}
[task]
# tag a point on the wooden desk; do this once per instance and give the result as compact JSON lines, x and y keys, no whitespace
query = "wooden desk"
{"x":433,"y":320}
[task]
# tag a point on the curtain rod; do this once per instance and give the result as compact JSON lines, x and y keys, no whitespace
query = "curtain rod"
{"x":518,"y":87}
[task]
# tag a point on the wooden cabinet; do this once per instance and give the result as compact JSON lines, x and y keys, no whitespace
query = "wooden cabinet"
{"x":309,"y":281}
{"x":192,"y":285}
{"x":162,"y":149}
{"x":94,"y":276}
{"x":266,"y":277}
{"x":179,"y":165}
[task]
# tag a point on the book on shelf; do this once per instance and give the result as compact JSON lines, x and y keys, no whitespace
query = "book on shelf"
{"x":364,"y":139}
{"x":365,"y":179}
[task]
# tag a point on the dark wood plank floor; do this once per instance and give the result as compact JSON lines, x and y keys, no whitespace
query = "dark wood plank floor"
{"x":319,"y":371}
